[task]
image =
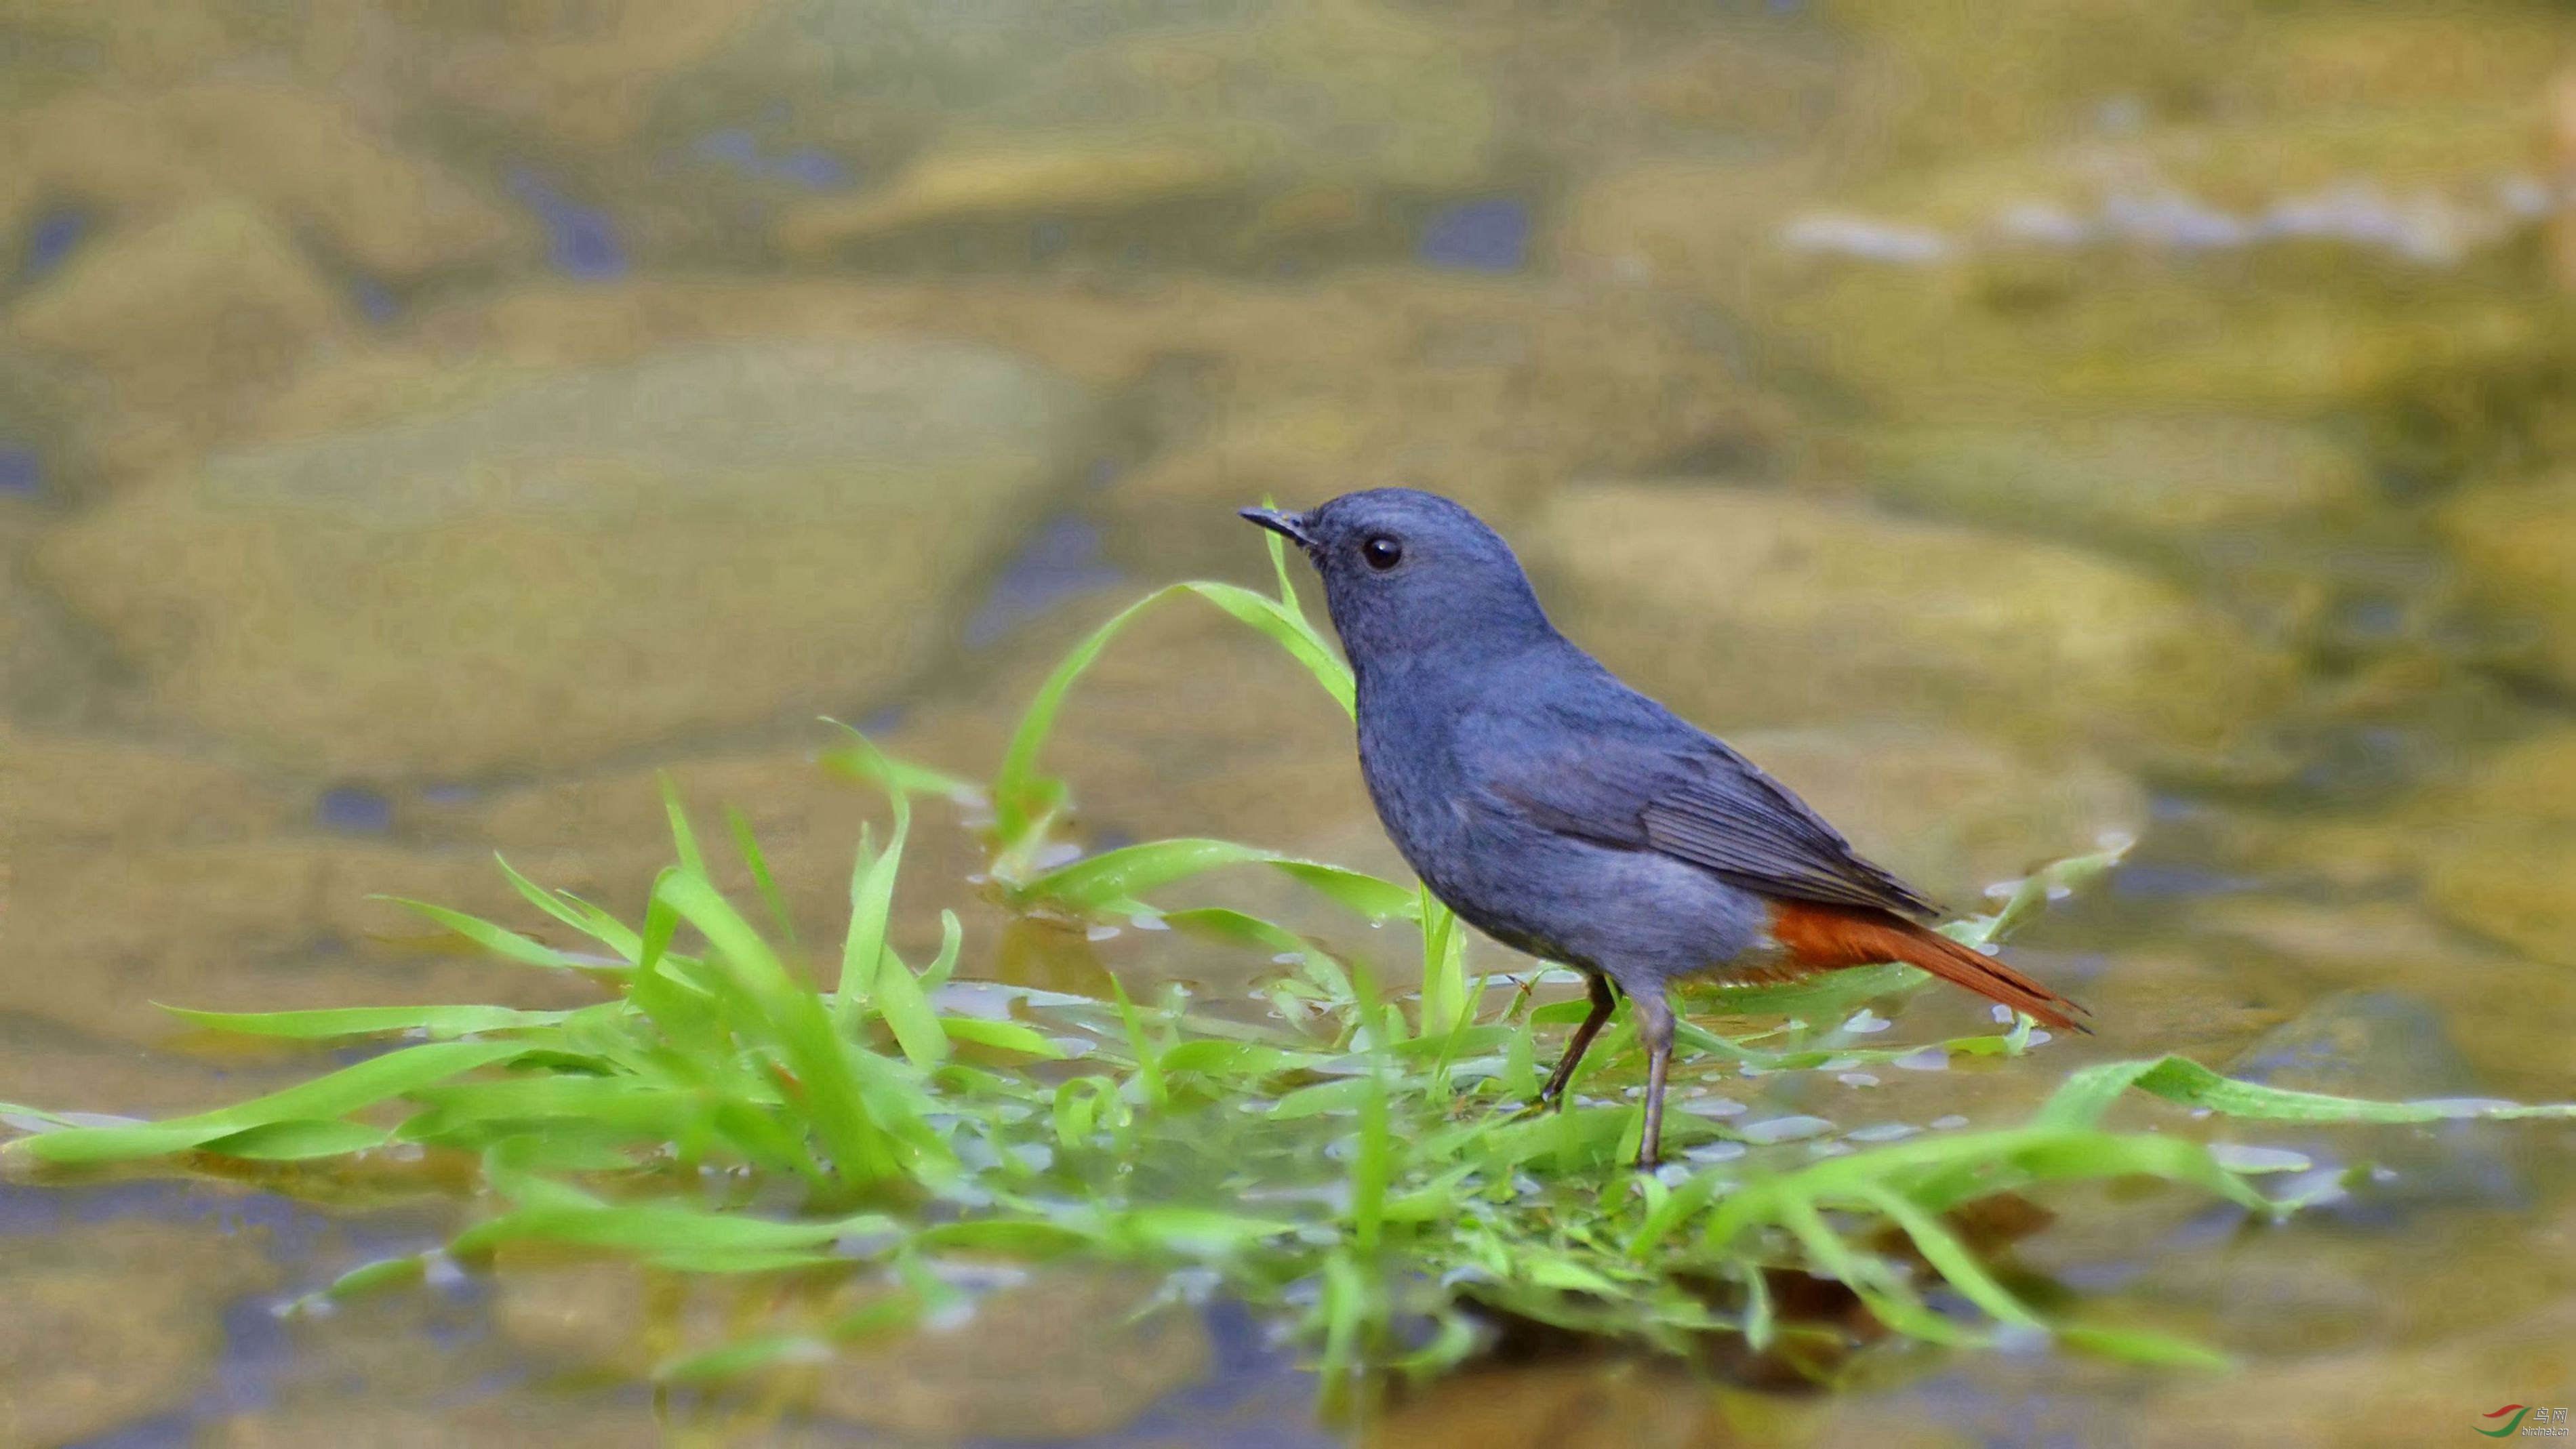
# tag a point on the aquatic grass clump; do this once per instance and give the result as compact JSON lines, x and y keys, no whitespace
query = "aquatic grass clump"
{"x":1350,"y":1159}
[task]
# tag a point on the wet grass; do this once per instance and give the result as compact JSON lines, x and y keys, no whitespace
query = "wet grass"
{"x":1354,"y":1159}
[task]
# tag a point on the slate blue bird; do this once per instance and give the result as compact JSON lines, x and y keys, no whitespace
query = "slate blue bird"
{"x":1569,"y":816}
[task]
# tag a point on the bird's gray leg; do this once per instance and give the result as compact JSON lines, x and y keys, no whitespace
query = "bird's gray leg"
{"x":1655,"y":1028}
{"x":1603,"y":1002}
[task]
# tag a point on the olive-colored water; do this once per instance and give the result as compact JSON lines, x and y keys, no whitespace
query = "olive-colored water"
{"x":2014,"y":423}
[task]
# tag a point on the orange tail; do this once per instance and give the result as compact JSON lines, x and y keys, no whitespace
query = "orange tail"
{"x":1827,"y":938}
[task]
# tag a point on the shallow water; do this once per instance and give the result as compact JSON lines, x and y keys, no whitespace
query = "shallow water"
{"x":421,"y":424}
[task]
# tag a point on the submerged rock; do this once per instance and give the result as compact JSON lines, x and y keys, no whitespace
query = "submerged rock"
{"x":1695,"y":223}
{"x":2517,"y":549}
{"x":48,"y":675}
{"x":2412,"y":1387}
{"x":112,"y":1323}
{"x":99,"y":934}
{"x":1189,"y":724}
{"x":2385,"y":1046}
{"x":2513,"y":1027}
{"x":186,"y":307}
{"x":144,"y":39}
{"x":1050,"y":1352}
{"x":610,"y":830}
{"x":2500,"y":850}
{"x":2166,"y":483}
{"x":1949,"y":812}
{"x":62,"y":791}
{"x":2390,"y":1045}
{"x":1490,"y":395}
{"x":534,"y":1416}
{"x":160,"y":335}
{"x":564,"y":72}
{"x":1337,"y":92}
{"x":49,"y":1063}
{"x":580,"y":560}
{"x":309,"y":157}
{"x":2201,"y":208}
{"x":2056,"y":333}
{"x":1744,"y":608}
{"x":1068,"y":1353}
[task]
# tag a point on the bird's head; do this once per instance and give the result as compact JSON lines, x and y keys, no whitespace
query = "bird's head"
{"x":1409,"y":574}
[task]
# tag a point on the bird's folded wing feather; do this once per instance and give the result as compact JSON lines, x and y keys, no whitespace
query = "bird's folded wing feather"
{"x":1691,"y":798}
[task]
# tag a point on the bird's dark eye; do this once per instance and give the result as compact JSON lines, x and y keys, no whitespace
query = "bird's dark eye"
{"x":1382,"y":552}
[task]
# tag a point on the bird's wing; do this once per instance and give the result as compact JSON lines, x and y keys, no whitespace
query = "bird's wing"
{"x":1656,"y":783}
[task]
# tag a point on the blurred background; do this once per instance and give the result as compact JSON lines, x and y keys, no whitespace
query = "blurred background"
{"x":2015,"y":424}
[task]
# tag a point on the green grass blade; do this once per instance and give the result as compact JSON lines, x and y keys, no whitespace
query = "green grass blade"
{"x":602,"y":927}
{"x":1445,"y":1003}
{"x":952,"y":936}
{"x":1115,"y":877}
{"x":296,"y":1141}
{"x":1149,"y":1068}
{"x":1241,"y":1062}
{"x":672,"y":1234}
{"x":1079,"y":1107}
{"x":661,"y":924}
{"x":1291,"y":632}
{"x":1018,"y":796}
{"x":1007,"y":1036}
{"x":1819,"y":998}
{"x":377,"y":1276}
{"x":336,"y":1095}
{"x":1951,"y":1259}
{"x":1188,"y":1232}
{"x":502,"y":942}
{"x":1895,"y":1304}
{"x":1277,"y":548}
{"x":684,"y":839}
{"x":1761,"y":1326}
{"x":1347,"y":1315}
{"x":1015,"y":794}
{"x":1667,"y":1214}
{"x":2088,"y":1093}
{"x":1372,"y":1166}
{"x":800,"y":1024}
{"x":744,"y":1358}
{"x":874,"y":767}
{"x":37,"y":1119}
{"x":647,"y":1109}
{"x":1368,"y":895}
{"x":748,"y":845}
{"x":2045,"y":884}
{"x":907,"y":1013}
{"x":866,"y":963}
{"x":1223,"y":923}
{"x":863,"y":950}
{"x":1345,"y":1095}
{"x":1003,"y":1235}
{"x":436,"y":1022}
{"x":2139,"y":1345}
{"x":586,"y":922}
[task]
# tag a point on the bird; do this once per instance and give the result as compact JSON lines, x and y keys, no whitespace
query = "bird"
{"x":1569,"y":816}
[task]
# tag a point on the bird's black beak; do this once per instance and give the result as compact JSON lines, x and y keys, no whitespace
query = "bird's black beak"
{"x":1290,"y":526}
